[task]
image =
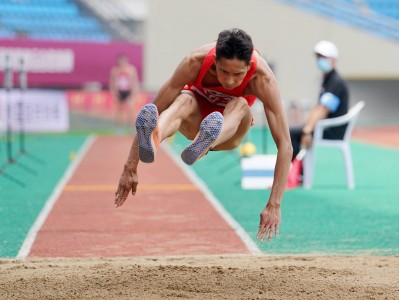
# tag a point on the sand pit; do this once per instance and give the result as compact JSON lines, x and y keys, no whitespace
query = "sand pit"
{"x":202,"y":277}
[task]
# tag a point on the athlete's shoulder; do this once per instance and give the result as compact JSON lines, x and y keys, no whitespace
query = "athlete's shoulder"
{"x":114,"y":70}
{"x":189,"y":68}
{"x":262,"y":78}
{"x":132,"y":67}
{"x":197,"y":56}
{"x":262,"y":68}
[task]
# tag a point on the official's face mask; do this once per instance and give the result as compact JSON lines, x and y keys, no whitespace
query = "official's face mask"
{"x":324,"y":64}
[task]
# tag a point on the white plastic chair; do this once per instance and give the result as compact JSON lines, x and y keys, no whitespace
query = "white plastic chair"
{"x":343,"y":145}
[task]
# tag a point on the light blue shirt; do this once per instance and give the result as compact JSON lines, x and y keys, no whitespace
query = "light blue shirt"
{"x":330,"y":101}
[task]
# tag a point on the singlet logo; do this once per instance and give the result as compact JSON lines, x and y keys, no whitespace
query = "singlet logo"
{"x":215,"y":97}
{"x":123,"y":82}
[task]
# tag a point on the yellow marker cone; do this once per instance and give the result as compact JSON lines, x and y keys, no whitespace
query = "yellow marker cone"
{"x":247,"y":149}
{"x":72,"y":156}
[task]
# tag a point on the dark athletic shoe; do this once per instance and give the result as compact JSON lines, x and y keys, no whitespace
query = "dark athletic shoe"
{"x":148,"y":133}
{"x":209,"y":131}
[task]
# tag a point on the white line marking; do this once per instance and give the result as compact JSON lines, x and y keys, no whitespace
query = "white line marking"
{"x":41,"y":218}
{"x":242,"y":234}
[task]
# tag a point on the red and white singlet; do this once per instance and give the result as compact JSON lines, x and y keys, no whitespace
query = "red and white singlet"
{"x":218,"y":95}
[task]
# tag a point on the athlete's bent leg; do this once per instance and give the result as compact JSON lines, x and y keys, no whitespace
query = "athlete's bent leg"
{"x":209,"y":131}
{"x":148,"y":134}
{"x":237,"y":121}
{"x":152,"y":128}
{"x":119,"y":113}
{"x":183,"y":115}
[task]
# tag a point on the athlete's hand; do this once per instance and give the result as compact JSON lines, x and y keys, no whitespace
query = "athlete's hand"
{"x":269,"y":222}
{"x":128,"y":182}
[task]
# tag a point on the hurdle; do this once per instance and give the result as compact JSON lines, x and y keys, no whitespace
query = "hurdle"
{"x":12,"y":158}
{"x":8,"y":84}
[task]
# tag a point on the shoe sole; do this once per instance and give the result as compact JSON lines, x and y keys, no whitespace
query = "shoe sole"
{"x":209,"y":131}
{"x":147,"y":132}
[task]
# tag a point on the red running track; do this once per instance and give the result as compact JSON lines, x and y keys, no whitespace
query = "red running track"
{"x":168,"y":216}
{"x":387,"y":136}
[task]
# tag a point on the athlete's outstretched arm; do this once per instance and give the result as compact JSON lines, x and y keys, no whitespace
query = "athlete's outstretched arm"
{"x":134,"y":78}
{"x":112,"y":85}
{"x":185,"y":72}
{"x":266,"y":89}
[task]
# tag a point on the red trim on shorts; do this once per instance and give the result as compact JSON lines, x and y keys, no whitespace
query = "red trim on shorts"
{"x":206,"y":107}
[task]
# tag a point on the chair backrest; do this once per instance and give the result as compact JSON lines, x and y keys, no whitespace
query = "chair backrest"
{"x":349,"y":119}
{"x":353,"y":114}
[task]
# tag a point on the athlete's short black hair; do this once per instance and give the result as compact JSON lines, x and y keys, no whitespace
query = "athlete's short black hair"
{"x":234,"y":44}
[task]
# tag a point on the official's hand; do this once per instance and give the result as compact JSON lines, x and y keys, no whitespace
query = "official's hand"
{"x":128,"y":182}
{"x":269,"y":222}
{"x":306,"y":140}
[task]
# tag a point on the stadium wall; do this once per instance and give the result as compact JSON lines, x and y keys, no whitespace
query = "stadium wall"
{"x":283,"y":34}
{"x":66,"y":64}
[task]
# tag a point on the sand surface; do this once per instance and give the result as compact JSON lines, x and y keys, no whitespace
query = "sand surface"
{"x":202,"y":277}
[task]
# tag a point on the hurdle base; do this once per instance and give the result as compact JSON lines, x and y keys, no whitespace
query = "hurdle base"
{"x":257,"y":172}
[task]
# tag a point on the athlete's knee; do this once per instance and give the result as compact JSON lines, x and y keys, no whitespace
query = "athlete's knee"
{"x":185,"y":100}
{"x":238,"y":104}
{"x":185,"y":107}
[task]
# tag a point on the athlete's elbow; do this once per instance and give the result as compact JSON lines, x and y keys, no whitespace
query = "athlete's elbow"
{"x":285,"y":147}
{"x":290,"y":150}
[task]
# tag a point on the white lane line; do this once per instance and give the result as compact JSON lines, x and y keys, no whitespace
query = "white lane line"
{"x":41,"y":218}
{"x":242,"y":234}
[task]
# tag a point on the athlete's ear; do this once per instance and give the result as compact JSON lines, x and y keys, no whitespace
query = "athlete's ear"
{"x":215,"y":61}
{"x":250,"y":65}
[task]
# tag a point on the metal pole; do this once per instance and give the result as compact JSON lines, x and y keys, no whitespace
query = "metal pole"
{"x":23,"y":84}
{"x":8,"y":84}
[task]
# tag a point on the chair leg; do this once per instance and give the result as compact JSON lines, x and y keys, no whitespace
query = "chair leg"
{"x":308,"y":168}
{"x":346,"y":151}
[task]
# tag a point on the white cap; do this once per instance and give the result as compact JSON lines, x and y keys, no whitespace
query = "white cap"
{"x":326,"y":49}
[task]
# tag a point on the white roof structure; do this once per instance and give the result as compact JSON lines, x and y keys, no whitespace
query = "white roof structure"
{"x":121,"y":10}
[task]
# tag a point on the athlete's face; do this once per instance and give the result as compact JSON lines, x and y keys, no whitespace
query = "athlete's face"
{"x":231,"y":72}
{"x":122,"y":61}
